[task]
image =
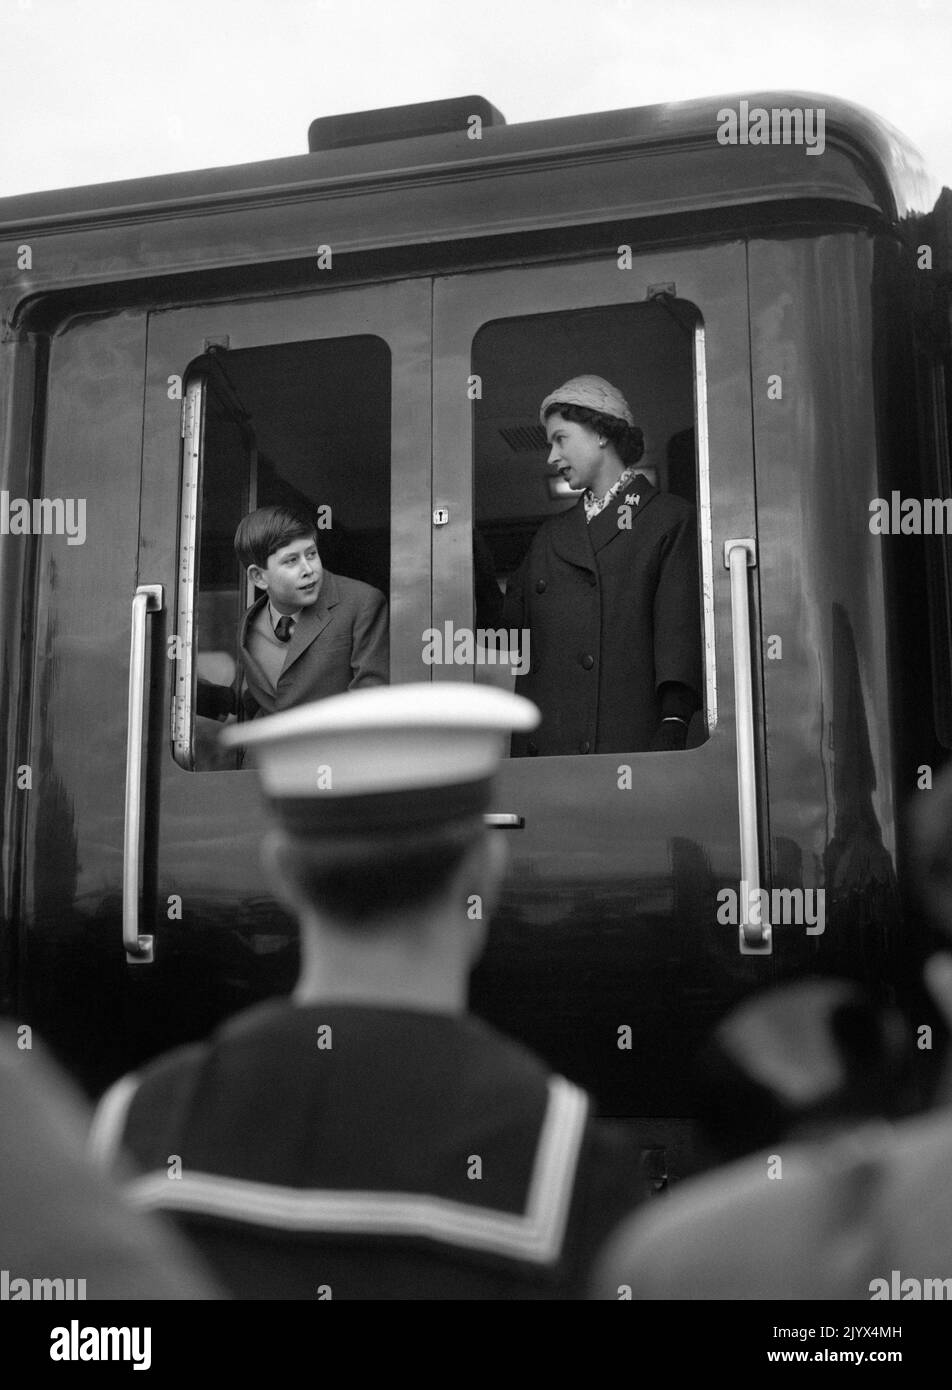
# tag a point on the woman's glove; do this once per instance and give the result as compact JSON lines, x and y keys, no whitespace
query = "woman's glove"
{"x":669,"y":735}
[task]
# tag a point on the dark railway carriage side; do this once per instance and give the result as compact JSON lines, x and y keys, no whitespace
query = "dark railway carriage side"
{"x":450,"y":258}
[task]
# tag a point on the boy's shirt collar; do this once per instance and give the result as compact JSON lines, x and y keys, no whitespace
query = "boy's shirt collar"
{"x":275,"y":617}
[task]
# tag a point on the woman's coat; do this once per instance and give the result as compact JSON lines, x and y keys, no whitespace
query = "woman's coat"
{"x":613,"y":611}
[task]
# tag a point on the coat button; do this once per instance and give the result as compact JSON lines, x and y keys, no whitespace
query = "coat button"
{"x":586,"y":662}
{"x":533,"y":749}
{"x":540,"y":586}
{"x":585,"y":746}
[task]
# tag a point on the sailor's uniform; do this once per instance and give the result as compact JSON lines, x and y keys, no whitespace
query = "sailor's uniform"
{"x":374,"y":1153}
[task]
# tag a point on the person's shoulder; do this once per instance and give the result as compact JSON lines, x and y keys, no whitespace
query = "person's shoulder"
{"x":761,"y":1227}
{"x":510,"y":1086}
{"x":926,"y":1138}
{"x":510,"y":1076}
{"x":355,"y":590}
{"x":506,"y":1070}
{"x":920,"y":1157}
{"x":669,"y":507}
{"x":146,"y":1089}
{"x":707,"y":1236}
{"x":34,"y":1090}
{"x":128,"y":1113}
{"x":490,"y":1065}
{"x":913,"y":1203}
{"x":560,"y":523}
{"x":56,"y":1204}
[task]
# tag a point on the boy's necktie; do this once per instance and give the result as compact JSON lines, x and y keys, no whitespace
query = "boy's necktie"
{"x":282,"y":629}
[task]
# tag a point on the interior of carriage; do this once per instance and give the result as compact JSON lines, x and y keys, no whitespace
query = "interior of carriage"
{"x":308,"y":424}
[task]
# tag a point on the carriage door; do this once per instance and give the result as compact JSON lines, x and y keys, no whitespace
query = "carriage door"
{"x":321,"y":402}
{"x":611,"y":919}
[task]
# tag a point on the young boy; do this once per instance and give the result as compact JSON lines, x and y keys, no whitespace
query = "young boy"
{"x":312,"y":633}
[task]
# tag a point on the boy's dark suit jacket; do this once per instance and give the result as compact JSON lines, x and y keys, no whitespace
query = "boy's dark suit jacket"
{"x":339,"y":643}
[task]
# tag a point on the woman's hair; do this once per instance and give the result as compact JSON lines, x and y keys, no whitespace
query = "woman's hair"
{"x":629,"y":440}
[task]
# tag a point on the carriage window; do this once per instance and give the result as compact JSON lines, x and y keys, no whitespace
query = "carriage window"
{"x":304,"y":426}
{"x":598,"y":618}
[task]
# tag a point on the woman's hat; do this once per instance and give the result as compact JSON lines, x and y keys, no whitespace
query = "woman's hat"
{"x":592,"y":392}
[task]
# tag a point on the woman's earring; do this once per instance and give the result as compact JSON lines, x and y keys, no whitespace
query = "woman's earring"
{"x":603,"y":442}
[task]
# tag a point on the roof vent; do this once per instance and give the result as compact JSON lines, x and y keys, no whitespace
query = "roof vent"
{"x":400,"y":123}
{"x":525,"y":439}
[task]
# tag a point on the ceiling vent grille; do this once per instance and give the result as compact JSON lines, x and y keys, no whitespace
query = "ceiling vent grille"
{"x":525,"y":439}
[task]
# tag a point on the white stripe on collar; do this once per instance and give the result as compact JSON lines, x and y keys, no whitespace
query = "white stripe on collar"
{"x":105,"y":1134}
{"x":536,"y":1235}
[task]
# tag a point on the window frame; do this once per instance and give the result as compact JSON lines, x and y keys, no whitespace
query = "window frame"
{"x":579,"y":300}
{"x":398,"y":313}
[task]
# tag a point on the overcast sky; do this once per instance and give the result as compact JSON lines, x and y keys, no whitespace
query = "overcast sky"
{"x":111,"y":89}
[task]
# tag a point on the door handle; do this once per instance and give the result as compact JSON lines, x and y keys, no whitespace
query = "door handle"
{"x":755,"y":938}
{"x":504,"y":820}
{"x":148,"y":599}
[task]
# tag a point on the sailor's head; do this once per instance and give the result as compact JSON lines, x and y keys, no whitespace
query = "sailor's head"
{"x":378,"y":799}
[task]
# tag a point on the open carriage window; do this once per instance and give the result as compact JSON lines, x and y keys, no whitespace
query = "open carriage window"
{"x":302,"y":426}
{"x":602,"y":611}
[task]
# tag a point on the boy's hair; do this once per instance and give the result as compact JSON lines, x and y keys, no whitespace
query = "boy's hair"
{"x":629,"y":440}
{"x":263,"y":532}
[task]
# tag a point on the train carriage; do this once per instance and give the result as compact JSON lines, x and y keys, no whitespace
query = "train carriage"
{"x":368,"y":329}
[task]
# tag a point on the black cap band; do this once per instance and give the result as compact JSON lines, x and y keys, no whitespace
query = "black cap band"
{"x":423,"y":808}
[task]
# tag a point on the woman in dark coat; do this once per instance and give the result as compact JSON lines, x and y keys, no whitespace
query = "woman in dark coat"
{"x":608,"y":591}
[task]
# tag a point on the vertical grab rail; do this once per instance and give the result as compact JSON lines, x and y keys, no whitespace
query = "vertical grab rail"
{"x":148,"y":599}
{"x":755,"y":936}
{"x":183,"y":684}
